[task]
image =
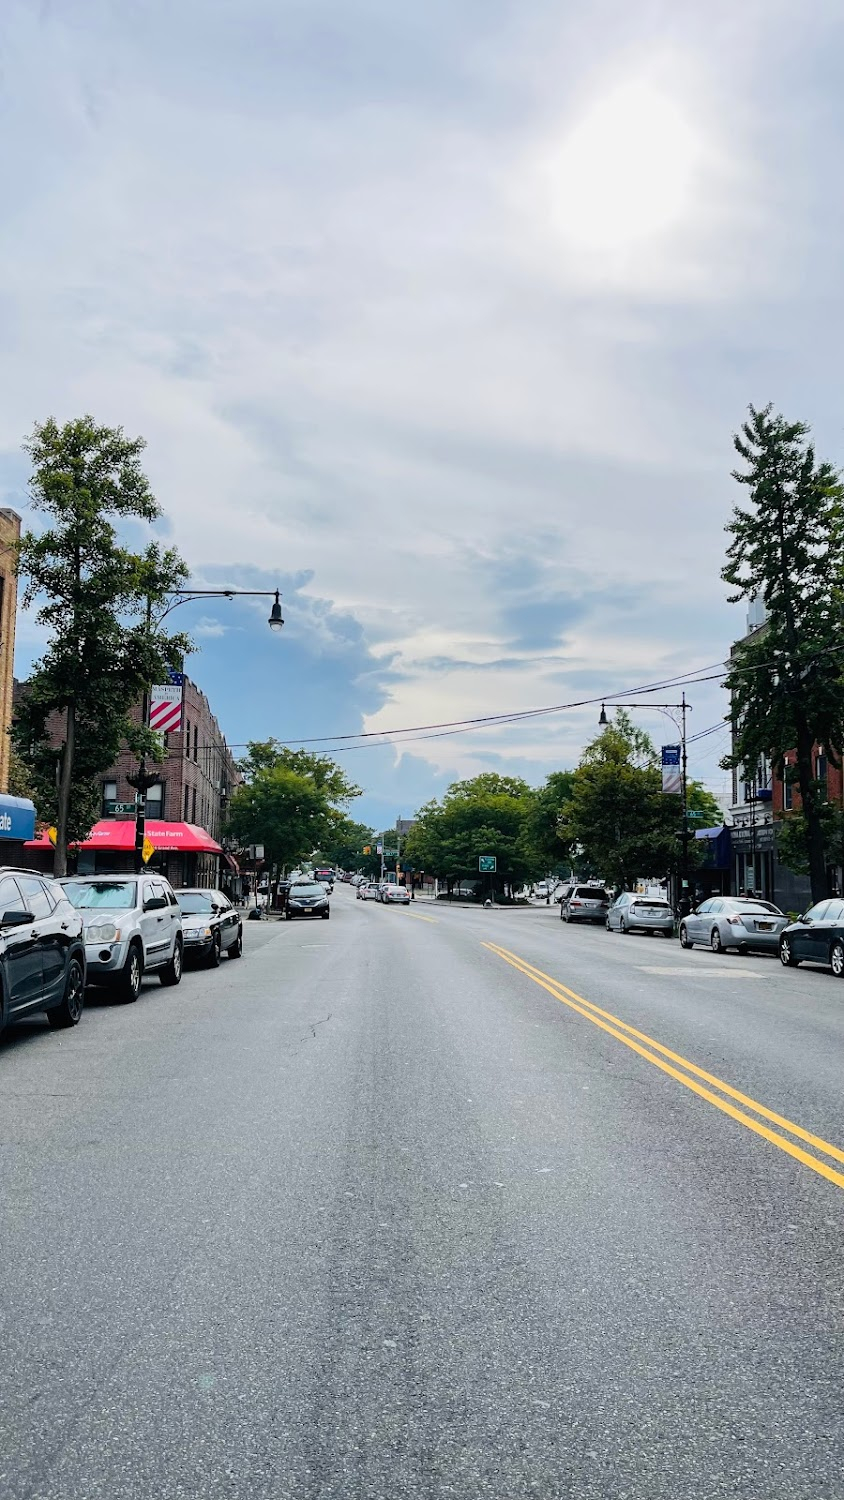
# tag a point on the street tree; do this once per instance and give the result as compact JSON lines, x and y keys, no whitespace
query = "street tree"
{"x":344,"y":847}
{"x":787,"y":547}
{"x":483,"y":815}
{"x":291,"y":801}
{"x":618,"y":822}
{"x":93,"y":595}
{"x":542,"y":837}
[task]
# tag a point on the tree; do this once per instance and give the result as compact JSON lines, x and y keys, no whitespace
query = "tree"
{"x":327,"y":776}
{"x":618,"y":820}
{"x":793,"y":843}
{"x":542,"y":839}
{"x":344,"y":846}
{"x":787,"y":546}
{"x":94,"y":597}
{"x":289,"y":802}
{"x":484,"y":815}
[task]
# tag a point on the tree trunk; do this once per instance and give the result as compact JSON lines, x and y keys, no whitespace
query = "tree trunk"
{"x":811,"y":812}
{"x":65,"y":783}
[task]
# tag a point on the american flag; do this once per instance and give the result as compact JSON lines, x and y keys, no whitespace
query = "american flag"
{"x":177,"y":678}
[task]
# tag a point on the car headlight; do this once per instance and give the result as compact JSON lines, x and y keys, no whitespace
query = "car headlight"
{"x":102,"y":932}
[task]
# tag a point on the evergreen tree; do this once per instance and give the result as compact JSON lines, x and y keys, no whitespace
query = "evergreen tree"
{"x":787,"y":547}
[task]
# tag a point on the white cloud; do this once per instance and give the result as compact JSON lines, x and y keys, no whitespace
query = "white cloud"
{"x":384,"y":337}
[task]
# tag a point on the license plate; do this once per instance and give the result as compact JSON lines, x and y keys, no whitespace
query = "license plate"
{"x":764,"y":926}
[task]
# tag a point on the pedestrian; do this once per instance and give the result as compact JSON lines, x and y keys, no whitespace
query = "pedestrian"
{"x":684,"y":906}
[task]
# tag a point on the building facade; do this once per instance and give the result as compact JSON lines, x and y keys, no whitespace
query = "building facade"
{"x":10,"y":530}
{"x":198,"y":776}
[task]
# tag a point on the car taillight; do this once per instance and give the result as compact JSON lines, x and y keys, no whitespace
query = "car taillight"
{"x":575,"y":903}
{"x":735,"y":921}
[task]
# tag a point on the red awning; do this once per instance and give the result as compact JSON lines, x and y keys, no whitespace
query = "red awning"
{"x":111,"y":833}
{"x":232,"y":863}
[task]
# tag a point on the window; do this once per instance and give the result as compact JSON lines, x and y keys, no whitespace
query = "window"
{"x":10,"y":896}
{"x":817,"y":913}
{"x":821,"y":775}
{"x":187,"y":804}
{"x":109,"y":798}
{"x":196,"y":742}
{"x":155,"y":801}
{"x":193,"y":804}
{"x":835,"y":911}
{"x":36,"y":896}
{"x":787,"y":787}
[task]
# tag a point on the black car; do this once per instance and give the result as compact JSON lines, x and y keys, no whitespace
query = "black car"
{"x":211,"y":925}
{"x":42,"y":951}
{"x":817,"y":936}
{"x":307,"y":898}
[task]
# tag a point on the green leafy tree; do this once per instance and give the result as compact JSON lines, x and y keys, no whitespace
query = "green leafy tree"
{"x":344,"y":848}
{"x":484,"y":815}
{"x":291,"y":802}
{"x":618,"y":820}
{"x":793,"y":843}
{"x":94,"y":596}
{"x":542,"y":836}
{"x":787,"y":546}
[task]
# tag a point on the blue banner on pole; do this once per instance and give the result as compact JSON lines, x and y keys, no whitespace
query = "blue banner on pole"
{"x":672,"y":778}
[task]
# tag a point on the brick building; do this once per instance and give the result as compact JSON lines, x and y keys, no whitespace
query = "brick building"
{"x":10,"y":530}
{"x":198,"y":776}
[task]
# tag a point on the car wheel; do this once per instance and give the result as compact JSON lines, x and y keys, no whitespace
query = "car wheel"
{"x":836,"y":959}
{"x":685,"y":940}
{"x":172,"y":972}
{"x":607,"y":925}
{"x":326,"y":915}
{"x":213,"y":959}
{"x":236,"y":949}
{"x":787,"y":958}
{"x":73,"y":1000}
{"x":715,"y":941}
{"x":288,"y":916}
{"x":129,"y":980}
{"x":622,"y":927}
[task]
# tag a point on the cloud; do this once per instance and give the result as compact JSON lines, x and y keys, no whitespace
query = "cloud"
{"x":444,"y":313}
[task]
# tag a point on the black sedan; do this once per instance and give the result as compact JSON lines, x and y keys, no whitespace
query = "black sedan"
{"x":307,"y":898}
{"x":817,"y":936}
{"x":210,"y":924}
{"x":42,"y":951}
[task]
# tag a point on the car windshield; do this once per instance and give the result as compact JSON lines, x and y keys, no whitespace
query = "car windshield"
{"x":651,"y":901}
{"x":307,"y":890}
{"x":754,"y":906}
{"x":194,"y":902}
{"x":108,"y":895}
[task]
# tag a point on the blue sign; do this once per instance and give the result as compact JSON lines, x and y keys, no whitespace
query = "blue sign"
{"x":17,"y":818}
{"x":671,"y":755}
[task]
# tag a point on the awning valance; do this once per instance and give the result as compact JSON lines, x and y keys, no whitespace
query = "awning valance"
{"x":112,"y":833}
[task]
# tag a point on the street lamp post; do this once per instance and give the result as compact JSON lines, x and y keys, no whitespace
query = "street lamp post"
{"x":144,"y":779}
{"x":683,"y":707}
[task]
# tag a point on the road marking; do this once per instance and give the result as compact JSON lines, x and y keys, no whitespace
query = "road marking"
{"x":722,"y":972}
{"x":634,"y":1039}
{"x":415,"y":915}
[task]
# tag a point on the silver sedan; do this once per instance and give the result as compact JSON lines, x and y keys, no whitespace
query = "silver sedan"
{"x":741,"y":922}
{"x":632,"y":913}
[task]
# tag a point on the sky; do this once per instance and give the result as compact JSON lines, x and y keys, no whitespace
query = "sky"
{"x":439,"y":318}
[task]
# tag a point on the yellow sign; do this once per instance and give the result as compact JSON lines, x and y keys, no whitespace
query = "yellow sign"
{"x":52,"y":834}
{"x":148,"y":850}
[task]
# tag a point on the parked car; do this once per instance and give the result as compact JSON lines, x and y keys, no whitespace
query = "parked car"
{"x":741,"y":922}
{"x":585,"y":903}
{"x":133,"y":926}
{"x":368,"y":891}
{"x":395,"y":895}
{"x":210,"y":924}
{"x":307,"y":898}
{"x":632,"y":913}
{"x":358,"y":880}
{"x":817,"y":937}
{"x":42,"y":951}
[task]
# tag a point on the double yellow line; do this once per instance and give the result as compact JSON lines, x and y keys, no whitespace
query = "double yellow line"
{"x":685,"y":1072}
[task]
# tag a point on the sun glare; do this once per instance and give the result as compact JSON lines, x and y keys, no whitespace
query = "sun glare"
{"x":625,"y":172}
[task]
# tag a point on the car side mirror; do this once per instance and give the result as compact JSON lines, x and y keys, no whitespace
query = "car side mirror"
{"x":804,"y":917}
{"x":16,"y":917}
{"x":154,"y":903}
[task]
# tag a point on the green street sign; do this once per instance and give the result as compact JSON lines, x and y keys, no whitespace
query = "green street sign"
{"x":391,"y":853}
{"x":124,"y":809}
{"x":487,"y":863}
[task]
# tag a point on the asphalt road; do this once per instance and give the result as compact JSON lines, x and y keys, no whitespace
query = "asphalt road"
{"x":429,"y":1203}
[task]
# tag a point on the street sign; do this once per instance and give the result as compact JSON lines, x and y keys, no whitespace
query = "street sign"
{"x":124,"y":809}
{"x":52,"y":834}
{"x":391,"y":853}
{"x":147,"y":851}
{"x":487,"y":863}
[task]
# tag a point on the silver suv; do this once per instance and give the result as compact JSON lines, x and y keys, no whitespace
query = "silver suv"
{"x":133,"y":926}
